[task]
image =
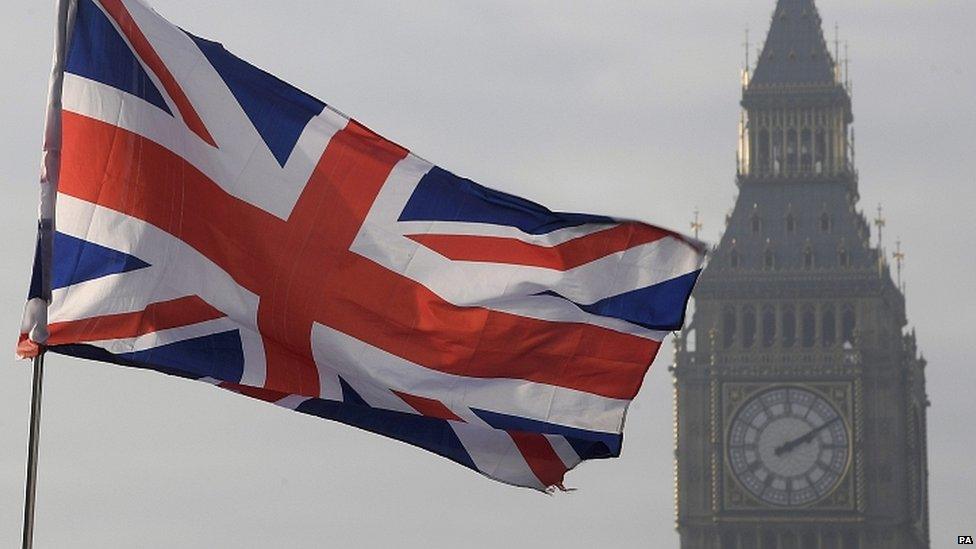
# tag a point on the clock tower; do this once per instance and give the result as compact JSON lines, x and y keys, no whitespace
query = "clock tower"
{"x":800,"y":397}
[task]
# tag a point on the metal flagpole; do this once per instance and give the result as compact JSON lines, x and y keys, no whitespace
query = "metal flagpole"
{"x":50,"y":168}
{"x":35,"y":434}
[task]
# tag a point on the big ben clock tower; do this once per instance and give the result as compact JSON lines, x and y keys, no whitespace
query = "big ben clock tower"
{"x":799,"y":395}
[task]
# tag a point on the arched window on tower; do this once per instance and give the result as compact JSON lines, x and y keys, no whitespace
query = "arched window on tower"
{"x":808,"y":328}
{"x":791,"y":150}
{"x":806,"y":150}
{"x":748,"y":327}
{"x":828,"y":327}
{"x":768,"y":326}
{"x":847,"y":324}
{"x":728,"y":327}
{"x":734,"y":258}
{"x":820,"y":152}
{"x":843,"y":259}
{"x":756,"y":222}
{"x":790,"y":223}
{"x":789,"y":326}
{"x":832,"y":161}
{"x":808,"y":257}
{"x":777,"y":150}
{"x":825,"y":222}
{"x":763,"y":153}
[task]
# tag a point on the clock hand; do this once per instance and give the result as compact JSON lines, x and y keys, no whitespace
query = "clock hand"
{"x":803,"y":439}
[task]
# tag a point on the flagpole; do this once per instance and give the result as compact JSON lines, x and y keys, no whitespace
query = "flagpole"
{"x":36,"y":317}
{"x":35,"y":436}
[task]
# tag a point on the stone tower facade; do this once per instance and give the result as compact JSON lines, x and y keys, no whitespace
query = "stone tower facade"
{"x":800,"y":399}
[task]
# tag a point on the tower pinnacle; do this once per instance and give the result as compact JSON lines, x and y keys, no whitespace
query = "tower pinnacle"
{"x":795,"y":52}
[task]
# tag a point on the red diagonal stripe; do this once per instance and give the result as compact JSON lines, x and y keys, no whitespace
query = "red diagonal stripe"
{"x":121,"y":170}
{"x":117,"y":10}
{"x":155,"y":317}
{"x":562,"y":257}
{"x":428,"y":406}
{"x":253,"y":392}
{"x":406,"y":319}
{"x":542,"y":459}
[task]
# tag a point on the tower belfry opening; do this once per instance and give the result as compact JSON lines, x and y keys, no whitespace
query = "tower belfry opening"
{"x":800,"y":410}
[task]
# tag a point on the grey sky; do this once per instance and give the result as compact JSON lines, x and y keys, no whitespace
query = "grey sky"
{"x":627,"y":109}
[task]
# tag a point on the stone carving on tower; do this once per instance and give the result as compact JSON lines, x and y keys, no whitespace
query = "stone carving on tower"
{"x":800,"y":397}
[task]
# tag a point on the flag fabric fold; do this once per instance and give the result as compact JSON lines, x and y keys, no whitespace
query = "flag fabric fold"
{"x":216,"y":223}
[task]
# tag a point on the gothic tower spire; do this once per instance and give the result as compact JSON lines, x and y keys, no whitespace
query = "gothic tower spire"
{"x":795,"y":52}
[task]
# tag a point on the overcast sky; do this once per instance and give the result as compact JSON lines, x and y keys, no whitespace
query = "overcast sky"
{"x":627,"y":109}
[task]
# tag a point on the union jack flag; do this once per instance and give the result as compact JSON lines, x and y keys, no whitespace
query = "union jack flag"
{"x":216,"y":223}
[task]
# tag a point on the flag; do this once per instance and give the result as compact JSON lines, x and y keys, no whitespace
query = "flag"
{"x":202,"y":218}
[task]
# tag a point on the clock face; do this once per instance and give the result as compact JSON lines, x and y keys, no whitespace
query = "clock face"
{"x":788,"y":446}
